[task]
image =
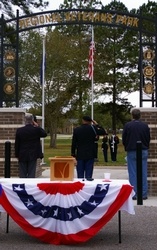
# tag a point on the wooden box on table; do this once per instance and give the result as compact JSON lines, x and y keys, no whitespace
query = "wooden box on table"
{"x":62,"y":168}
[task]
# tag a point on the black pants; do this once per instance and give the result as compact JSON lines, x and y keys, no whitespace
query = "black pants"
{"x":96,"y":150}
{"x":105,"y":149}
{"x":113,"y":153}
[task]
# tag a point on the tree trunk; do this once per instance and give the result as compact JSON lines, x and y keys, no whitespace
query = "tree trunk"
{"x":53,"y":137}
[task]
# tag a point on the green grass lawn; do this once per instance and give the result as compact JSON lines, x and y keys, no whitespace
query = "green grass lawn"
{"x":64,"y":149}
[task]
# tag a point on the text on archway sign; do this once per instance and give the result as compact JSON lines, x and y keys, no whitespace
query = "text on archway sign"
{"x":78,"y":16}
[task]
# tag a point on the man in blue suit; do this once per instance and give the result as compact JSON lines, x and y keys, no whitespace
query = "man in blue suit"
{"x":28,"y":147}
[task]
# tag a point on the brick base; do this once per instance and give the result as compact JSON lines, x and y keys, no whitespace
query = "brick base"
{"x":149,"y":115}
{"x":10,"y":120}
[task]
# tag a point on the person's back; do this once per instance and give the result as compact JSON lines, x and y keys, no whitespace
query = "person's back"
{"x":83,"y":146}
{"x":133,"y":132}
{"x":28,"y":147}
{"x":28,"y":138}
{"x":84,"y":137}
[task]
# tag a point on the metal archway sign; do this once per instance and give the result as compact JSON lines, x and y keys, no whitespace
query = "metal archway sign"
{"x":112,"y":18}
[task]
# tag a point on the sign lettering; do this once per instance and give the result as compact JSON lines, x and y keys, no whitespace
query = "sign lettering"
{"x":78,"y":16}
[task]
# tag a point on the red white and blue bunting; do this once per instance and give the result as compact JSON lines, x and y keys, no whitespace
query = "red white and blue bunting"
{"x":63,"y":213}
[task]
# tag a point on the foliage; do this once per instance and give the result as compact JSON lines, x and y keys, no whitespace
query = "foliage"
{"x":25,"y":6}
{"x":78,"y":4}
{"x":64,"y":149}
{"x":67,"y":87}
{"x":29,"y":69}
{"x":103,"y":114}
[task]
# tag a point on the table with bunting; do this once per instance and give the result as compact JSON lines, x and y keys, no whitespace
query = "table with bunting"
{"x":64,"y":212}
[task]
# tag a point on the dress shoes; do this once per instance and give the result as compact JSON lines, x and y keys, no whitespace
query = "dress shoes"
{"x":145,"y":198}
{"x":134,"y":198}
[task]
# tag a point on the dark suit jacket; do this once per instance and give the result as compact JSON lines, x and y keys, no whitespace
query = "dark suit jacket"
{"x":83,"y":141}
{"x":134,"y":131}
{"x":27,"y":142}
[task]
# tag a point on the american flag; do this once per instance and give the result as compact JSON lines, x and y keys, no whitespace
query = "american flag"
{"x":62,"y":212}
{"x":91,"y":60}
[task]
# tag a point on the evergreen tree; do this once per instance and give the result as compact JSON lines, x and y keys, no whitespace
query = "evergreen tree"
{"x":25,"y":6}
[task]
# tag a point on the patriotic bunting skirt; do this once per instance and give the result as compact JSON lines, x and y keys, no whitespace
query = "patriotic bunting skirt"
{"x":63,"y":212}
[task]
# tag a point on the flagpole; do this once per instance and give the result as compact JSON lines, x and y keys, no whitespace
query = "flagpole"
{"x":92,"y":78}
{"x":43,"y":95}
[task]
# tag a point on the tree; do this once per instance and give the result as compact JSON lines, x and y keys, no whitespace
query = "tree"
{"x":30,"y":51}
{"x":115,"y":67}
{"x":67,"y":89}
{"x":74,"y":4}
{"x":25,"y":6}
{"x":60,"y":79}
{"x":104,"y":113}
{"x":81,"y":35}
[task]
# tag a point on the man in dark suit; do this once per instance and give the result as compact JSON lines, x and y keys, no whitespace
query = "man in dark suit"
{"x":28,"y":147}
{"x":83,"y":146}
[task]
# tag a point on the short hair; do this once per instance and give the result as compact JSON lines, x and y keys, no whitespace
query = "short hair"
{"x":136,"y":114}
{"x":28,"y":119}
